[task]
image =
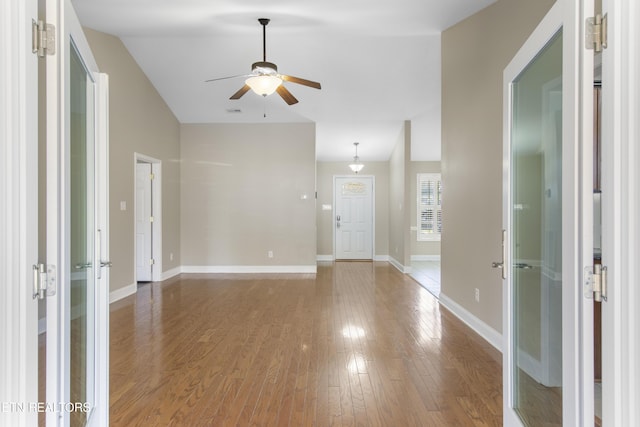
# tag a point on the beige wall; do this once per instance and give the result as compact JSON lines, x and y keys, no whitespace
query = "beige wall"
{"x":474,"y":54}
{"x":243,"y":194}
{"x":399,"y":194}
{"x":140,"y":121}
{"x":324,"y":182}
{"x":422,"y":247}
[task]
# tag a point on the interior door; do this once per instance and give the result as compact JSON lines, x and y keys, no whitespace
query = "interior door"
{"x":353,"y":222}
{"x":144,"y":223}
{"x":77,"y":227}
{"x":548,"y":217}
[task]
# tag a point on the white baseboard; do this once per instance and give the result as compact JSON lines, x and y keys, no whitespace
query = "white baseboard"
{"x":384,"y":258}
{"x":398,"y":265}
{"x":123,"y":292}
{"x":425,"y":257}
{"x":492,"y":336}
{"x":249,"y":269}
{"x":166,"y":275}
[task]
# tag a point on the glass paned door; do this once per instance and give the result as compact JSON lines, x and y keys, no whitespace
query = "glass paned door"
{"x":548,"y":227}
{"x":536,"y":238}
{"x":82,"y":226}
{"x":77,"y":227}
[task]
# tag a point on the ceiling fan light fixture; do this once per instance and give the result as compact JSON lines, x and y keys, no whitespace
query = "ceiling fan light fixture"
{"x":263,"y":85}
{"x":356,"y":166}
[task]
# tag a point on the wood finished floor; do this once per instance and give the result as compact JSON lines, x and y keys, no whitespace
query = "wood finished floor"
{"x":357,"y":344}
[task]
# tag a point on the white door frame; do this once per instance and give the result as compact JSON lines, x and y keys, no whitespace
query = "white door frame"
{"x":156,"y":207}
{"x":18,"y":213}
{"x":621,"y":214}
{"x":373,"y":212}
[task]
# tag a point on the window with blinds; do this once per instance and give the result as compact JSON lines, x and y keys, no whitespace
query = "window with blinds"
{"x":429,"y":206}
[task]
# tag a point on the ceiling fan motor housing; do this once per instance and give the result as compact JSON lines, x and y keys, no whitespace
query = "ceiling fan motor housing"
{"x":264,"y":68}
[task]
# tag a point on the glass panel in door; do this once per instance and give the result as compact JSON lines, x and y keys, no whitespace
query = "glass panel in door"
{"x":82,"y":223}
{"x":536,"y":238}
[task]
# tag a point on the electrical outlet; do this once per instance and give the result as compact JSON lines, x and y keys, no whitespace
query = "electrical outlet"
{"x":270,"y":254}
{"x":477,"y":295}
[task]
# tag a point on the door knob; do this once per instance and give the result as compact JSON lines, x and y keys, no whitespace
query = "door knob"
{"x":497,"y":265}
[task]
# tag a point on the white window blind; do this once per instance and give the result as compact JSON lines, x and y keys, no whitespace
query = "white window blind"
{"x":429,"y":206}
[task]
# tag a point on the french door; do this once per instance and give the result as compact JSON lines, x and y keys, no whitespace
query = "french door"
{"x":77,"y":227}
{"x":548,"y":223}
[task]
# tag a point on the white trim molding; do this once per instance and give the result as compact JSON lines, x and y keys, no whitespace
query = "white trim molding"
{"x":166,"y":275}
{"x":123,"y":292}
{"x":398,"y":265}
{"x":425,"y":257}
{"x":381,"y":258}
{"x":324,"y":258}
{"x":249,"y":269}
{"x":492,"y":336}
{"x":18,"y":211}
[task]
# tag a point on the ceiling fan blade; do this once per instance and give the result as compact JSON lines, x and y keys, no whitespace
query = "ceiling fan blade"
{"x":244,"y":89}
{"x":225,"y":78}
{"x":286,"y":95}
{"x":300,"y":81}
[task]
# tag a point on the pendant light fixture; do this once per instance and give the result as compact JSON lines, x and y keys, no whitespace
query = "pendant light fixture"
{"x":356,"y":166}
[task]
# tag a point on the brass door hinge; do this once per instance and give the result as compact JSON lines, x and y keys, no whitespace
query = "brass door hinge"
{"x":43,"y":38}
{"x":595,"y":284}
{"x":596,"y":33}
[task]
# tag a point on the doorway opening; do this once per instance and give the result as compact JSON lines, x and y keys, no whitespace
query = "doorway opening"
{"x":148,"y":219}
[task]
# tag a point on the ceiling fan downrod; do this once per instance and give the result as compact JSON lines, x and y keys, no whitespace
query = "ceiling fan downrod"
{"x":264,"y":22}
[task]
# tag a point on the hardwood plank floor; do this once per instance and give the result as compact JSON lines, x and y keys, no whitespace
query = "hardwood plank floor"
{"x":356,"y":344}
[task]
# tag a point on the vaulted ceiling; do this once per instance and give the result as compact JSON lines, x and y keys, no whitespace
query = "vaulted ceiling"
{"x":378,"y":62}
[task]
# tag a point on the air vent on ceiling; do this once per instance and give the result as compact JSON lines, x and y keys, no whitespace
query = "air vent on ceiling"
{"x":234,"y":110}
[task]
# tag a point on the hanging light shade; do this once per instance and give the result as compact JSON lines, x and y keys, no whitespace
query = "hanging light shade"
{"x":356,"y":166}
{"x":263,"y":85}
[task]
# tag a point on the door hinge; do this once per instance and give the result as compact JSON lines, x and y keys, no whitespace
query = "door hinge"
{"x":43,"y":38}
{"x":152,"y":261}
{"x":596,"y":33}
{"x":595,"y":283}
{"x":44,"y":280}
{"x":150,"y":219}
{"x":152,"y":176}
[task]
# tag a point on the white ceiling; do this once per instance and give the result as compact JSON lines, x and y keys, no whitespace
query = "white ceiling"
{"x":378,"y":62}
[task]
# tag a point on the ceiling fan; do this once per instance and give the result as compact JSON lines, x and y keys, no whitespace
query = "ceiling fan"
{"x":265,"y":79}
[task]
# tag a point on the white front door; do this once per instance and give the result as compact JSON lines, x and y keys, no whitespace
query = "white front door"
{"x":144,"y":222}
{"x":77,"y":227}
{"x":548,"y":219}
{"x":353,"y":221}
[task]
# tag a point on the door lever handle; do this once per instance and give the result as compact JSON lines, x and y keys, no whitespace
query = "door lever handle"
{"x":500,"y":264}
{"x":523,"y":266}
{"x":83,"y":266}
{"x":105,"y":264}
